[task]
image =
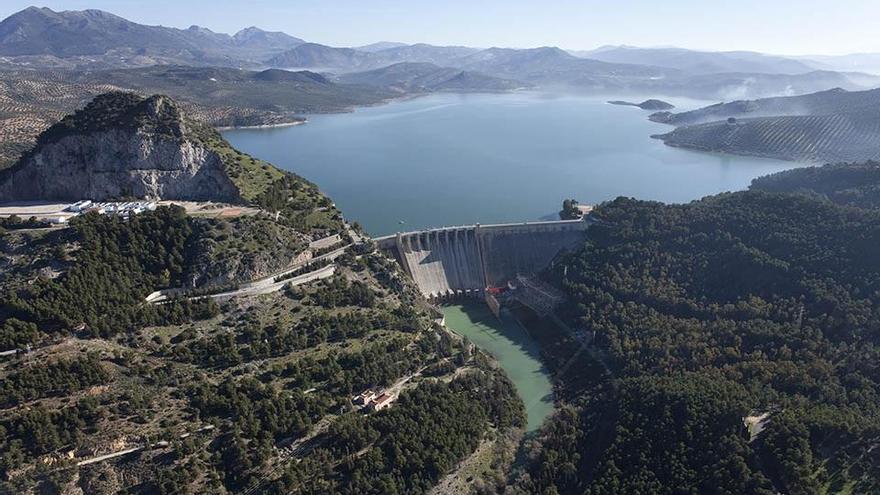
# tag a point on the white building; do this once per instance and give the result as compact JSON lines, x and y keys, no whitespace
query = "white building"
{"x":80,"y":205}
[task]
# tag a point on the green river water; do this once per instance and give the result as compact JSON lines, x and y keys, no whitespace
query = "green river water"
{"x":517,"y":353}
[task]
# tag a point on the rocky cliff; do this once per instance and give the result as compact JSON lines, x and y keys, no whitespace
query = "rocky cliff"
{"x":124,"y":145}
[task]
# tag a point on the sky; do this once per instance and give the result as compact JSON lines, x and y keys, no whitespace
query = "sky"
{"x":772,"y":26}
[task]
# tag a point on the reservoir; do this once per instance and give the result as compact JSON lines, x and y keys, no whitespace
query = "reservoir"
{"x":452,"y":159}
{"x":509,"y":343}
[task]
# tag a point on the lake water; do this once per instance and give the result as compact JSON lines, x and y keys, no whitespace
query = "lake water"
{"x":461,"y":159}
{"x":453,"y":159}
{"x":514,"y":350}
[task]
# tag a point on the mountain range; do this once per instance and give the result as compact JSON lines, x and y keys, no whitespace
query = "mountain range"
{"x":83,"y":53}
{"x":700,"y":62}
{"x":93,"y":39}
{"x":42,"y":32}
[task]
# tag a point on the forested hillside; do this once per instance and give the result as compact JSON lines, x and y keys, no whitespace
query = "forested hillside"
{"x":103,"y":391}
{"x":750,"y":308}
{"x":844,"y":183}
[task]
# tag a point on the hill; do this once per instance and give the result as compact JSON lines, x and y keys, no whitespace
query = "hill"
{"x":425,"y":77}
{"x":829,"y":126}
{"x":846,"y":184}
{"x":124,"y":145}
{"x":378,"y":46}
{"x":210,"y":392}
{"x":346,"y":60}
{"x":737,"y":345}
{"x":830,"y":102}
{"x":550,"y":65}
{"x":322,"y":57}
{"x":31,"y":101}
{"x":443,"y":56}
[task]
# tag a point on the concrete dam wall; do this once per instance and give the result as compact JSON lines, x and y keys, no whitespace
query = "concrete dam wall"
{"x":462,"y":260}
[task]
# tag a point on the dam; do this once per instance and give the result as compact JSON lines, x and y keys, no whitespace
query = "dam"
{"x":467,"y":260}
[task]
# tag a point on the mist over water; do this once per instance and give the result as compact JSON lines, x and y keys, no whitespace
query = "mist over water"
{"x":451,"y":159}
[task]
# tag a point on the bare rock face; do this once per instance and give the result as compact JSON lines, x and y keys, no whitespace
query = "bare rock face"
{"x":120,"y":145}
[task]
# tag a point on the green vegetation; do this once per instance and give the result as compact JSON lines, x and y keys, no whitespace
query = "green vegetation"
{"x":54,"y":378}
{"x":407,"y":448}
{"x":570,"y":210}
{"x":736,"y":305}
{"x":108,"y":371}
{"x":844,"y":184}
{"x":119,"y":110}
{"x":13,"y":222}
{"x":251,"y":176}
{"x":118,"y":263}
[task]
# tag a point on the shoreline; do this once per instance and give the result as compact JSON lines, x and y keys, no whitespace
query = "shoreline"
{"x":354,"y":108}
{"x":262,"y":126}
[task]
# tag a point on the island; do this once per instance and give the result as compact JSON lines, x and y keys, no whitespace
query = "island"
{"x":651,"y":104}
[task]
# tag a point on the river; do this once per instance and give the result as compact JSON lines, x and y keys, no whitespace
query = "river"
{"x":515,"y":351}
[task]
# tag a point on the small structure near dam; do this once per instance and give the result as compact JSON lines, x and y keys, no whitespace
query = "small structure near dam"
{"x":467,"y":260}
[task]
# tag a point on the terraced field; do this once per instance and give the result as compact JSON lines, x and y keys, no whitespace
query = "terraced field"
{"x":830,"y":102}
{"x":28,"y":106}
{"x":824,"y":138}
{"x":830,"y":126}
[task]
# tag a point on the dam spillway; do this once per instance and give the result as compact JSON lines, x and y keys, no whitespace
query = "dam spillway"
{"x":469,"y":259}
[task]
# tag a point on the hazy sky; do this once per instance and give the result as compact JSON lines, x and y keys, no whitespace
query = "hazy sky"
{"x":775,"y":26}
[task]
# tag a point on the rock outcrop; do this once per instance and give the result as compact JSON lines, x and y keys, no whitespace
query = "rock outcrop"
{"x":122,"y":145}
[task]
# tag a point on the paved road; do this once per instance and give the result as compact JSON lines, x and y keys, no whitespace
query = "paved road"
{"x":109,"y":456}
{"x":268,"y":284}
{"x":254,"y":290}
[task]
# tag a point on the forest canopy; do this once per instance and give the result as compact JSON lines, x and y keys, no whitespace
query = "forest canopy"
{"x":712,"y":315}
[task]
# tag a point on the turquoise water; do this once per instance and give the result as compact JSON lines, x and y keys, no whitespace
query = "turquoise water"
{"x":452,"y":159}
{"x":515,"y":351}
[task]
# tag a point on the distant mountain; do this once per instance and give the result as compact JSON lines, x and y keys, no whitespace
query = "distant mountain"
{"x":551,"y":65}
{"x":421,"y":52}
{"x":316,"y":56}
{"x":425,"y":77}
{"x":855,"y":62}
{"x":36,"y":31}
{"x":381,"y":45}
{"x":699,"y":62}
{"x":322,"y":57}
{"x":740,"y":85}
{"x":262,"y":42}
{"x":97,"y":41}
{"x":114,"y":41}
{"x":830,"y":126}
